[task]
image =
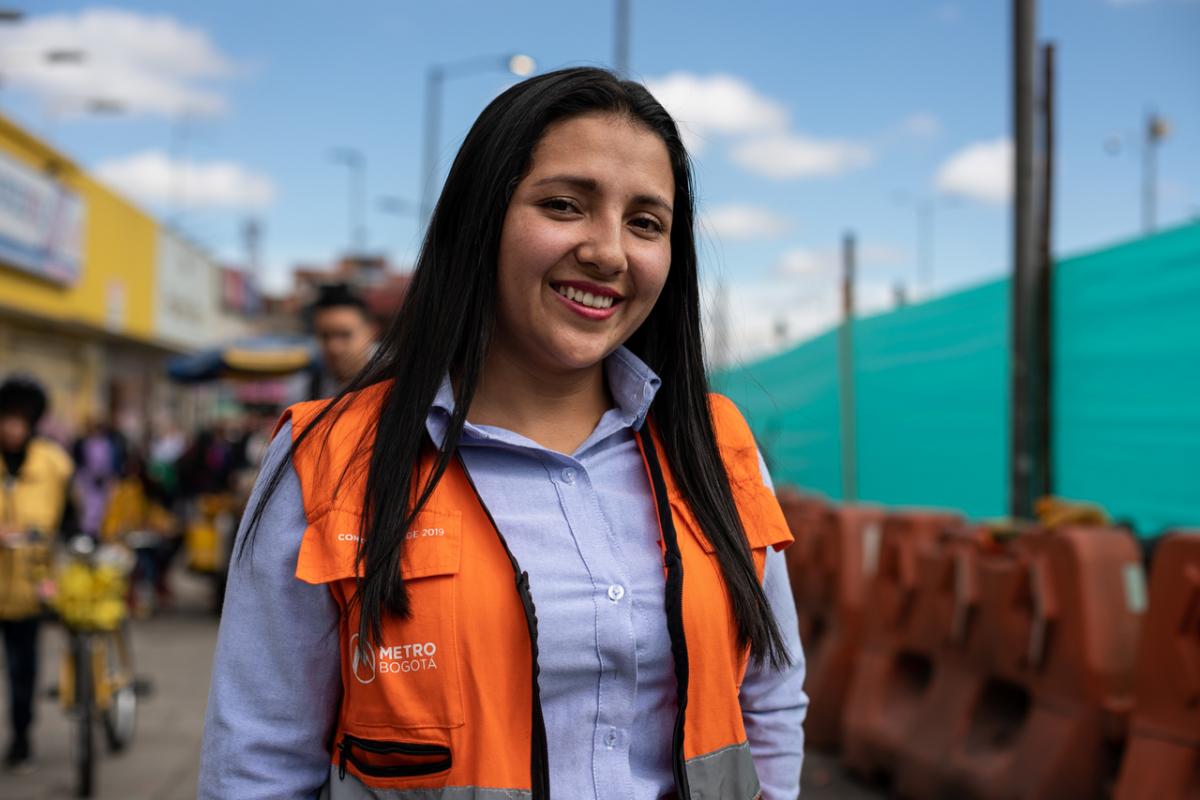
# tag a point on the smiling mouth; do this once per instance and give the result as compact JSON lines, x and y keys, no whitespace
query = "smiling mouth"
{"x":597,"y":301}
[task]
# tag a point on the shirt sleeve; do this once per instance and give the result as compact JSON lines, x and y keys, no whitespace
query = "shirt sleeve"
{"x":276,"y":676}
{"x":773,"y":702}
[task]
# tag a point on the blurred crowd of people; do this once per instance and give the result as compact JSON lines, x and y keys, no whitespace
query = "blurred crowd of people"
{"x":176,"y":491}
{"x":147,"y":496}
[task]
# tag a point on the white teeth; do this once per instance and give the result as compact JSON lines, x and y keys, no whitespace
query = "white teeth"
{"x":585,"y":298}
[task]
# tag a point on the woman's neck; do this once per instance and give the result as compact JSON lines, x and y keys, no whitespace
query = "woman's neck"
{"x":556,"y":410}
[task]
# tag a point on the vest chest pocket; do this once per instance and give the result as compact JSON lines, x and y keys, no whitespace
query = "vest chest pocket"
{"x":410,"y":679}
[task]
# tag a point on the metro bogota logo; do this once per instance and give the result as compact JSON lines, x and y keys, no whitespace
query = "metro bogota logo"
{"x":397,"y":659}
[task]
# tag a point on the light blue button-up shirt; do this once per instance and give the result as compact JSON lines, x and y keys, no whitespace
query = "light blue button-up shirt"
{"x":584,"y":527}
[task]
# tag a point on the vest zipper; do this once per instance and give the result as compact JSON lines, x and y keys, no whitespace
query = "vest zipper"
{"x":674,"y":607}
{"x":539,"y":760}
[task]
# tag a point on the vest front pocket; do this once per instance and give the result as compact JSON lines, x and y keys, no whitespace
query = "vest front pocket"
{"x":410,"y":679}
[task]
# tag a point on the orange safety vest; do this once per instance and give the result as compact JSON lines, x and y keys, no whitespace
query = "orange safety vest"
{"x":446,"y":706}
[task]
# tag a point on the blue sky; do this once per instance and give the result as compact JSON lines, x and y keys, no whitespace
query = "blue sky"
{"x":809,"y":119}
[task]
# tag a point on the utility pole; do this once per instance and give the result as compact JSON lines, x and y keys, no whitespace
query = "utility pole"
{"x":252,"y":239}
{"x":621,"y":45}
{"x":846,"y":375}
{"x":1027,"y":471}
{"x":1043,"y":383}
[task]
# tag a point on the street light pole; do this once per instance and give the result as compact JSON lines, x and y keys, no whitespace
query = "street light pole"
{"x":435,"y":79}
{"x":1156,"y":131}
{"x":621,"y":45}
{"x":356,"y":163}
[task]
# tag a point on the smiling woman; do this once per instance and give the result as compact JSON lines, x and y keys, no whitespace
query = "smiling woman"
{"x":603,"y":610}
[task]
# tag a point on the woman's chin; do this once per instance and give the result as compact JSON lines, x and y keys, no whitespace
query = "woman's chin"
{"x":579,"y":356}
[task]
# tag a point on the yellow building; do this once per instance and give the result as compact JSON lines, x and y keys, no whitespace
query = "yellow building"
{"x":79,"y":275}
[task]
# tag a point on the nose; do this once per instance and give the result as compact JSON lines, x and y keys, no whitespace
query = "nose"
{"x":603,"y":246}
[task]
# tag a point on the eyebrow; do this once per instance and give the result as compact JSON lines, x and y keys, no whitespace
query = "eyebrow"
{"x":591,"y":185}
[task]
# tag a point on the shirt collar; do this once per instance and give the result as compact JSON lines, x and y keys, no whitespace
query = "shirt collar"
{"x":632,"y":383}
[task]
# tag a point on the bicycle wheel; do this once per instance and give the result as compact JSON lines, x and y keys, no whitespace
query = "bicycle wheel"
{"x":120,"y":718}
{"x":85,"y":710}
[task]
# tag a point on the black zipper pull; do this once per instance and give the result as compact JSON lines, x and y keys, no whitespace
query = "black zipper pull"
{"x":342,"y":759}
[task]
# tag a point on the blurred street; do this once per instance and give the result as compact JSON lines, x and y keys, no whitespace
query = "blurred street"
{"x":173,"y":651}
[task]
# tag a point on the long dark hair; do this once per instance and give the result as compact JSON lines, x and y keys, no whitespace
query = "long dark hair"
{"x":446,"y":324}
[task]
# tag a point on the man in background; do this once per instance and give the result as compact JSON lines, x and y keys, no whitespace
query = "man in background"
{"x":345,"y":334}
{"x":35,"y":474}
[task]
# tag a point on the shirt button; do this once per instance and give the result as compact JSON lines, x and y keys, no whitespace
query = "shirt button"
{"x":568,"y":475}
{"x":612,"y":738}
{"x":616,"y":592}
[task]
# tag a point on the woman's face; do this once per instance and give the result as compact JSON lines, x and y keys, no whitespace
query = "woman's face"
{"x":586,"y":243}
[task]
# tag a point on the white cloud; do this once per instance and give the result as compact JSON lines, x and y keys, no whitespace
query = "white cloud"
{"x":742,"y":222}
{"x":153,"y":178}
{"x":716,"y":105}
{"x":789,"y":155}
{"x":756,"y":313}
{"x":149,"y":64}
{"x":921,"y":125}
{"x":806,"y":261}
{"x":981,"y":171}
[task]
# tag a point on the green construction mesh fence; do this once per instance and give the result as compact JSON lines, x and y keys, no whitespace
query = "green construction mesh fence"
{"x":932,"y":393}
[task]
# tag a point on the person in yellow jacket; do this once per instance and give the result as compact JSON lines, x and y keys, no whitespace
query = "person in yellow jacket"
{"x":525,"y":552}
{"x":35,"y":475}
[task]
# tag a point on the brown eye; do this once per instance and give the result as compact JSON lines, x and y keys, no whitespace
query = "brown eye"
{"x":647,"y":224}
{"x":560,"y":205}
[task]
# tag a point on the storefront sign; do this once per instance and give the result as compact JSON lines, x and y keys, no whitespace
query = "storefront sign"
{"x":186,"y":304}
{"x":41,"y":223}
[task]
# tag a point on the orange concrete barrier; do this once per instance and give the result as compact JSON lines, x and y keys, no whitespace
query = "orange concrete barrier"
{"x":947,"y":606}
{"x":829,"y":580}
{"x":1054,"y":644}
{"x":896,"y":661}
{"x":1162,"y":756}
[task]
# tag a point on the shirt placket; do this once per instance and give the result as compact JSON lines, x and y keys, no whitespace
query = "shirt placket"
{"x":614,"y":638}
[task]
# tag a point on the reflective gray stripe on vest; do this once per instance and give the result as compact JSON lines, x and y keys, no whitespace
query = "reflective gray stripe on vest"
{"x":725,"y":774}
{"x":351,"y":788}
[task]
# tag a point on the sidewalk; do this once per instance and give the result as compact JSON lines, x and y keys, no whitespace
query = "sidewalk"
{"x":174,"y":652}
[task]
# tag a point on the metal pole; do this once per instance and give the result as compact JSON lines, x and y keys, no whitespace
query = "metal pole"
{"x":846,"y":374}
{"x":1043,"y":475}
{"x":358,"y":200}
{"x":433,"y":112}
{"x":1149,"y":175}
{"x":1021,"y":488}
{"x":925,"y":243}
{"x":621,"y":46}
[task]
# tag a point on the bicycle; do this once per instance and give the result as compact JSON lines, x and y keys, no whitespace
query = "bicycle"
{"x":97,"y":680}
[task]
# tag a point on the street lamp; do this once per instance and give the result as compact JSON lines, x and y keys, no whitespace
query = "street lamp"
{"x":353,"y":159}
{"x":926,"y":207}
{"x":1157,"y":129}
{"x":397,"y":206}
{"x":517,"y":64}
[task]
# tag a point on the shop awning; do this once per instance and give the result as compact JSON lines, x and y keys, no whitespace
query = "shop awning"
{"x":245,"y":359}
